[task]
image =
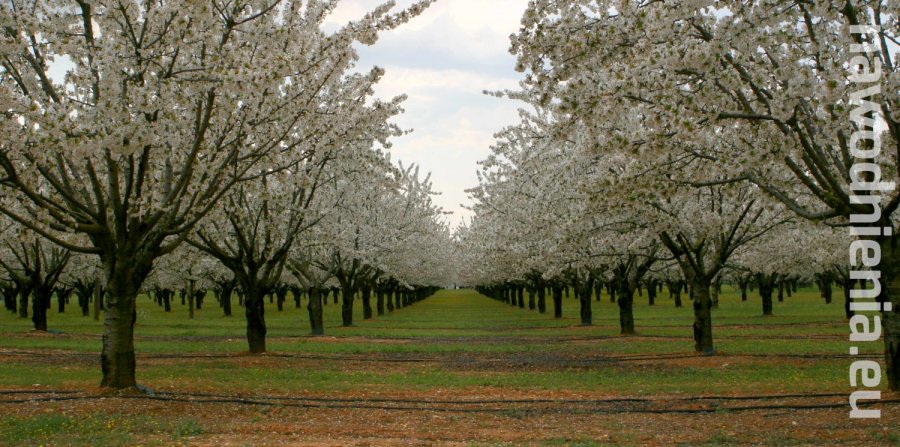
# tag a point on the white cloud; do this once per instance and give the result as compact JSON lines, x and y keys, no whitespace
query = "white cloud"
{"x":443,"y":60}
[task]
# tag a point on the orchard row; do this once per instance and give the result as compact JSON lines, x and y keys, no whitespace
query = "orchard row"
{"x":699,"y":142}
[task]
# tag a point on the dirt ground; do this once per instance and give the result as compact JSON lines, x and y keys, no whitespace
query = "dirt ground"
{"x":461,"y":419}
{"x":461,"y":416}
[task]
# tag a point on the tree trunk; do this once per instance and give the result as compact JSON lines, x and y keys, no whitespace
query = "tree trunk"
{"x":167,"y":301}
{"x":626,"y":308}
{"x":9,"y":299}
{"x":531,"y":303}
{"x":651,"y":293}
{"x":190,"y":299}
{"x":315,"y":311}
{"x":584,"y":297}
{"x":542,"y":299}
{"x":367,"y":303}
{"x":296,"y":294}
{"x":84,"y":301}
{"x":390,"y":299}
{"x":781,"y":291}
{"x":24,"y":293}
{"x":675,"y":291}
{"x":117,"y":356}
{"x":255,"y":309}
{"x":848,"y":286}
{"x":379,"y":301}
{"x":557,"y":301}
{"x":347,"y":306}
{"x":703,"y":340}
{"x":98,"y":300}
{"x":766,"y":288}
{"x":62,"y":297}
{"x":226,"y":299}
{"x":714,"y":294}
{"x":40,"y":299}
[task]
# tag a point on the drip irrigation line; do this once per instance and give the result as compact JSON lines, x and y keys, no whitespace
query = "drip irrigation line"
{"x":360,"y":404}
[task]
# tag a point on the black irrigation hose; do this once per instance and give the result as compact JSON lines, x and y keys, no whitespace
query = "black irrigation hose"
{"x":39,"y":392}
{"x":458,"y":410}
{"x":380,"y":357}
{"x":464,"y":401}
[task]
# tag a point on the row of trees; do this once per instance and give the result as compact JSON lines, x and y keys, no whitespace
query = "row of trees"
{"x":692,"y":141}
{"x":227,"y":141}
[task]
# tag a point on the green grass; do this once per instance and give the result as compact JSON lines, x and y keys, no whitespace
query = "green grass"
{"x":459,"y":322}
{"x":93,"y":430}
{"x":465,"y":343}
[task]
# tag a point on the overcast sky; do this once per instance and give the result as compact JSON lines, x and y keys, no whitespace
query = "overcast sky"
{"x":443,"y":60}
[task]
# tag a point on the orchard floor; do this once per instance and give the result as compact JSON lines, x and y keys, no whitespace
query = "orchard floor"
{"x":456,"y":369}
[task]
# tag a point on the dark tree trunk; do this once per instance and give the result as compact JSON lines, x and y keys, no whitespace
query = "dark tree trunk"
{"x":347,"y":306}
{"x":9,"y":299}
{"x":280,"y":297}
{"x":584,"y":296}
{"x":167,"y":301}
{"x":190,"y":300}
{"x":379,"y":301}
{"x":714,"y":290}
{"x":520,"y":294}
{"x":255,"y":310}
{"x":766,"y":288}
{"x":675,"y":291}
{"x":24,"y":293}
{"x":41,"y":298}
{"x":296,"y":294}
{"x":781,"y":291}
{"x":84,"y":301}
{"x":626,"y":308}
{"x":531,"y":303}
{"x":703,"y":339}
{"x":557,"y":301}
{"x":123,"y":280}
{"x":390,"y":299}
{"x":334,"y":293}
{"x":367,"y":303}
{"x":226,"y":299}
{"x":848,"y":286}
{"x":315,"y":311}
{"x":542,"y":299}
{"x":62,"y":297}
{"x":651,"y":293}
